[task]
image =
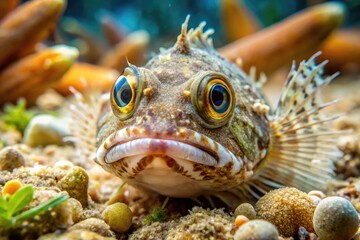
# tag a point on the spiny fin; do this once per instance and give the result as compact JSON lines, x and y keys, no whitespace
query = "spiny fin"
{"x":194,"y":37}
{"x":82,"y":115}
{"x":182,"y":40}
{"x":302,"y":149}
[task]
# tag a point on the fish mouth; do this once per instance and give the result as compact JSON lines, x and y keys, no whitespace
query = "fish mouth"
{"x":179,"y":145}
{"x":161,"y":147}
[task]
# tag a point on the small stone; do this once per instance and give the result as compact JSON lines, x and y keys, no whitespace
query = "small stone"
{"x":45,"y":130}
{"x":247,"y":210}
{"x":95,"y":225}
{"x":288,"y":209}
{"x":118,"y":216}
{"x":64,"y":164}
{"x":10,"y":159}
{"x":50,"y":100}
{"x":240,"y":220}
{"x":257,"y":230}
{"x":76,"y":184}
{"x":317,"y":193}
{"x":335,"y":218}
{"x":76,"y":210}
{"x":75,"y":234}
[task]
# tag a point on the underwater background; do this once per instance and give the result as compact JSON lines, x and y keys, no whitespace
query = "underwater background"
{"x":162,"y":19}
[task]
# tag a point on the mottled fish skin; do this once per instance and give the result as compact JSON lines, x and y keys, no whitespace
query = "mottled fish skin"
{"x":164,"y":128}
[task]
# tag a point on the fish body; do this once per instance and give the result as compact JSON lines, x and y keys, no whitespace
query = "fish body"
{"x":191,"y":123}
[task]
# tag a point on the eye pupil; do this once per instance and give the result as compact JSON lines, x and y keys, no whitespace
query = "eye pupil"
{"x":122,"y":92}
{"x":219,"y":98}
{"x":217,"y":94}
{"x":126,"y":95}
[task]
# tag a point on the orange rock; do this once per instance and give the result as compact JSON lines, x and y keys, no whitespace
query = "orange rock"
{"x":294,"y":38}
{"x":132,"y":47}
{"x":31,"y":76}
{"x":7,"y":6}
{"x":84,"y":76}
{"x":343,"y":51}
{"x":11,"y":187}
{"x":237,"y":19}
{"x":27,"y":25}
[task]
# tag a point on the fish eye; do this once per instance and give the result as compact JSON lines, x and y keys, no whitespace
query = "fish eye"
{"x":126,"y":93}
{"x":213,"y":98}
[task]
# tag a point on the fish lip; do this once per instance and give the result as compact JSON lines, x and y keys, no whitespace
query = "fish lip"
{"x":160,"y":147}
{"x":180,"y":138}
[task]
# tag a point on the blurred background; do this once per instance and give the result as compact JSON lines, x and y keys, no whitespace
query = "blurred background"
{"x":162,"y":19}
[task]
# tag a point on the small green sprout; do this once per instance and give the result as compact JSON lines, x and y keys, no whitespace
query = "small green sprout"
{"x":116,"y":195}
{"x":17,"y":116}
{"x":157,"y":214}
{"x":13,"y":201}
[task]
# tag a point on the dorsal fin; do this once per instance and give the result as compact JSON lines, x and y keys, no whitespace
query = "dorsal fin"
{"x":182,"y":41}
{"x":196,"y":38}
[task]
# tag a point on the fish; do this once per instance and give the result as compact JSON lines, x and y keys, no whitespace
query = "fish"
{"x":191,"y":123}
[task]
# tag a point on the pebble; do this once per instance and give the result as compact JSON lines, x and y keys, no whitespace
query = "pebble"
{"x":50,"y":100}
{"x":317,"y":193}
{"x":247,"y":210}
{"x":240,"y":220}
{"x":75,"y":234}
{"x":95,"y":225}
{"x":45,"y":130}
{"x":76,"y":210}
{"x":118,"y":216}
{"x":64,"y":165}
{"x":10,"y":159}
{"x":257,"y":230}
{"x":76,"y":184}
{"x":288,"y":209}
{"x":335,"y":218}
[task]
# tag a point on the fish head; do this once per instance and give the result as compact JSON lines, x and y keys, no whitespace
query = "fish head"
{"x":184,"y":124}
